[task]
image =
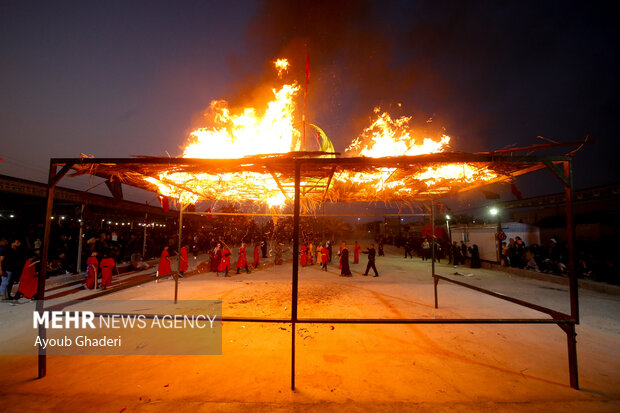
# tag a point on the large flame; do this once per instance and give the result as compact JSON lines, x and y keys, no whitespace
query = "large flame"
{"x":394,"y":137}
{"x":235,"y":133}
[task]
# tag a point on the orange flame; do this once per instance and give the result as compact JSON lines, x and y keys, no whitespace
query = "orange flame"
{"x":248,"y":131}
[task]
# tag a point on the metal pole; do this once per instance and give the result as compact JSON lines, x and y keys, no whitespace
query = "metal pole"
{"x":433,"y":236}
{"x":176,"y":276}
{"x":570,"y":235}
{"x":80,"y":241}
{"x":573,"y":285}
{"x":44,"y":257}
{"x":572,"y":355}
{"x":295,"y":268}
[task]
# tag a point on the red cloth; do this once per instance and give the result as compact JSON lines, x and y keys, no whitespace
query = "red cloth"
{"x":164,"y":265}
{"x":28,"y":282}
{"x":304,"y":255}
{"x":256,"y":256}
{"x":225,"y":261}
{"x":324,"y":255}
{"x":216,"y":257}
{"x":106,"y":271}
{"x":242,"y":261}
{"x":184,"y":264}
{"x":356,"y":254}
{"x":93,"y":261}
{"x":91,"y":276}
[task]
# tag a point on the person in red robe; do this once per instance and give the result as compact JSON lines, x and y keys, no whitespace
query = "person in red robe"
{"x":324,"y":257}
{"x":242,"y":261}
{"x":107,"y":265}
{"x":304,"y":255}
{"x":164,"y":267}
{"x":216,"y":257}
{"x":224,"y":264}
{"x":256,"y":262}
{"x":356,"y":253}
{"x":184,"y":262}
{"x":28,"y":282}
{"x":92,"y":269}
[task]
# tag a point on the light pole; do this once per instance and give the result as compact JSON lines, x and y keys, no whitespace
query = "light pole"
{"x":494,"y":212}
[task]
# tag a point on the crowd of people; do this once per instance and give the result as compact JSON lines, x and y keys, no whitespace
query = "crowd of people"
{"x":247,"y":243}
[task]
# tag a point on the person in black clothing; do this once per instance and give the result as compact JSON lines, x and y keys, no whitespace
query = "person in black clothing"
{"x":12,"y":266}
{"x":371,"y":260}
{"x":263,"y":248}
{"x":408,"y":248}
{"x":344,"y":261}
{"x":381,"y":254}
{"x":475,"y":257}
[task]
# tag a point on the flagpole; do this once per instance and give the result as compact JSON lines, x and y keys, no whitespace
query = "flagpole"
{"x":303,"y":115}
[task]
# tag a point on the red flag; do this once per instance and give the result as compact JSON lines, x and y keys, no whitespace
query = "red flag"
{"x":209,"y":216}
{"x":515,"y":191}
{"x":164,"y":203}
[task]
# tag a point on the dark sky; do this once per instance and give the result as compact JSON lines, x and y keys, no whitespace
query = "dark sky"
{"x":124,"y":78}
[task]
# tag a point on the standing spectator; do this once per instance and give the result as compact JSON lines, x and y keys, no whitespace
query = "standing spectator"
{"x":463,"y":252}
{"x":324,"y":256}
{"x":29,"y":283}
{"x":345,"y":271}
{"x":408,"y":248}
{"x":256,"y":262}
{"x":426,"y":249}
{"x":456,"y":254}
{"x":519,"y":252}
{"x":242,"y":261}
{"x":371,"y":260}
{"x":183,"y":261}
{"x":164,"y":267}
{"x":12,"y":268}
{"x":224,"y":264}
{"x":5,"y":278}
{"x":356,"y":253}
{"x":475,"y":257}
{"x":107,"y":265}
{"x":381,"y":253}
{"x":329,"y":249}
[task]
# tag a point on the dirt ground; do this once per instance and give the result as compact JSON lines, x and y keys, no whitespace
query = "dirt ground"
{"x":443,"y":368}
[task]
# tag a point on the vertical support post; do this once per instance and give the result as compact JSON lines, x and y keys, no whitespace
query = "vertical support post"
{"x":433,"y":236}
{"x":78,"y":269}
{"x":571,"y":339}
{"x":570,"y":236}
{"x":176,"y":276}
{"x":435,"y":282}
{"x":295,"y":268}
{"x":44,"y":257}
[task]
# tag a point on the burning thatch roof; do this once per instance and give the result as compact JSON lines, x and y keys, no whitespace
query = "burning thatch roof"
{"x":343,"y":179}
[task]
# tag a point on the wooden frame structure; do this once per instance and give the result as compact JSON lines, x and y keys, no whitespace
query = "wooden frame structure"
{"x":296,"y":166}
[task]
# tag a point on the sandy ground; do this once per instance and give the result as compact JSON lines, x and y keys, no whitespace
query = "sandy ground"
{"x":444,"y":368}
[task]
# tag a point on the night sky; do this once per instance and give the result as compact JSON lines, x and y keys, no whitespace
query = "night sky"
{"x":132,"y":78}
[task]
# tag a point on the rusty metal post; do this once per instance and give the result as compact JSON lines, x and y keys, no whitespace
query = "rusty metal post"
{"x":573,"y":285}
{"x":44,"y":257}
{"x":433,"y":236}
{"x":570,"y":236}
{"x":295,"y":268}
{"x":435,"y":282}
{"x":176,"y":276}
